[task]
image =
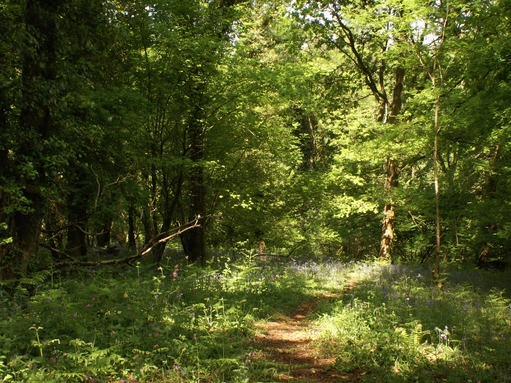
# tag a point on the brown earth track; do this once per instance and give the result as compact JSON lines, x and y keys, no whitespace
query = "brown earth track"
{"x":288,"y":341}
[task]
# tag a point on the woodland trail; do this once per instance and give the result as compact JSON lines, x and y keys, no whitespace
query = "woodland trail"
{"x":288,"y":343}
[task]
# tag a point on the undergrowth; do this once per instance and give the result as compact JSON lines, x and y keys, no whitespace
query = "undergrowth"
{"x":174,"y":323}
{"x":395,"y":325}
{"x":181,"y":324}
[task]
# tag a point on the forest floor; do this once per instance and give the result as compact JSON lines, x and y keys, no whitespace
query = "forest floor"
{"x":288,"y":343}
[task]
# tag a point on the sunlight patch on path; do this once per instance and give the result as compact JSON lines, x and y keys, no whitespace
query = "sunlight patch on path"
{"x":288,"y":341}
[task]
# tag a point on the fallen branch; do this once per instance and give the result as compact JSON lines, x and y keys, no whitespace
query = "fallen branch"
{"x":58,"y":252}
{"x":162,"y":237}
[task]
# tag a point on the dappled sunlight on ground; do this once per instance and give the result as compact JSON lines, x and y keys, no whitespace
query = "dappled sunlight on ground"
{"x":288,"y":341}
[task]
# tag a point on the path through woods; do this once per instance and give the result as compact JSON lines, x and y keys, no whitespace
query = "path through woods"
{"x":288,"y":342}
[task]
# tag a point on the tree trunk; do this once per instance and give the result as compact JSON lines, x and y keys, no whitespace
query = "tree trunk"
{"x":436,"y":271}
{"x":76,"y":238}
{"x":147,"y":220}
{"x":148,"y":224}
{"x":194,"y":240}
{"x":389,"y":214}
{"x":77,"y":203}
{"x":104,"y":237}
{"x":6,"y":271}
{"x":397,"y":95}
{"x":159,"y":249}
{"x":387,"y":236}
{"x":132,"y":242}
{"x":169,"y":211}
{"x":38,"y":95}
{"x":392,"y":169}
{"x":194,"y":244}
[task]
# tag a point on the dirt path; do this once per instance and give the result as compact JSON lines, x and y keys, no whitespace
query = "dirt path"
{"x":288,"y":342}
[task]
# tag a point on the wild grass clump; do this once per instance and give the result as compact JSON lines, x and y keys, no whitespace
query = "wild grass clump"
{"x":396,"y":325}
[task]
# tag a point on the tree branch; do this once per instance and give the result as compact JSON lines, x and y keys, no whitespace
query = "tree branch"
{"x":162,"y":237}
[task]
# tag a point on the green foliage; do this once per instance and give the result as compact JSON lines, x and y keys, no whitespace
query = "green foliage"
{"x":175,"y":323}
{"x":394,"y":325}
{"x":4,"y":240}
{"x":186,"y":324}
{"x":275,"y":117}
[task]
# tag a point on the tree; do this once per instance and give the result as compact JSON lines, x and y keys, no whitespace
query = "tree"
{"x":25,"y":180}
{"x":182,"y":47}
{"x":53,"y":128}
{"x":368,"y":35}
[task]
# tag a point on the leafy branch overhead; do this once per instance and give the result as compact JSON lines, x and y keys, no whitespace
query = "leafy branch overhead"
{"x":347,"y":128}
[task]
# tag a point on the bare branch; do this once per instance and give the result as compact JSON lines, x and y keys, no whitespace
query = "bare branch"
{"x":162,"y":237}
{"x":118,"y":180}
{"x":357,"y":57}
{"x":58,"y":252}
{"x":99,"y":188}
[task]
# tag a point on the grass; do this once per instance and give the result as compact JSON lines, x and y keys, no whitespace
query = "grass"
{"x":180,"y":323}
{"x":397,"y":326}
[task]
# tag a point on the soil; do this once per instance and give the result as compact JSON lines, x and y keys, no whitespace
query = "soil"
{"x":288,"y":342}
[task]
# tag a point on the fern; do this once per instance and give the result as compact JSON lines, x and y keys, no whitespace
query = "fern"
{"x":72,"y":376}
{"x":36,"y":279}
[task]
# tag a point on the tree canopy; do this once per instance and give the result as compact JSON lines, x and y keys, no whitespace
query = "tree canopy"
{"x":356,"y":129}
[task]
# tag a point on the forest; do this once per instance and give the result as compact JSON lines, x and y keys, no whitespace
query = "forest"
{"x":211,"y":164}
